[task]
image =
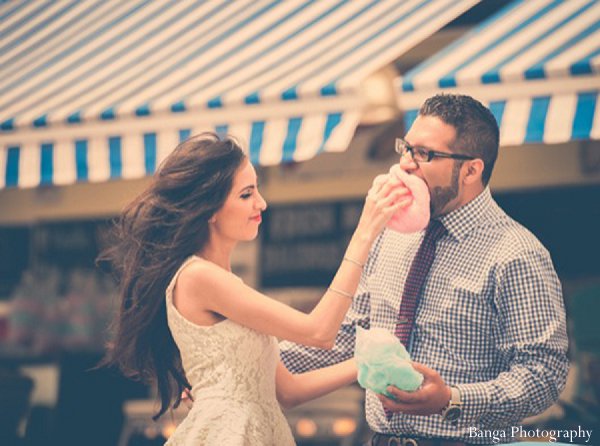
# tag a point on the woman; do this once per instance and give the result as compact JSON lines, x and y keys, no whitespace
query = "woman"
{"x":187,"y":322}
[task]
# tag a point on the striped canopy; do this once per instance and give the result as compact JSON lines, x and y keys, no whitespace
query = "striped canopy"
{"x":95,"y":90}
{"x":536,"y":64}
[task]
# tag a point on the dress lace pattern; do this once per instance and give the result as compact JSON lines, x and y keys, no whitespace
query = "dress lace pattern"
{"x":232,"y":372}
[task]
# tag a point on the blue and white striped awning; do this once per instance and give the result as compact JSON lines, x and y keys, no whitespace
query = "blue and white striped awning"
{"x":95,"y":90}
{"x":536,"y":63}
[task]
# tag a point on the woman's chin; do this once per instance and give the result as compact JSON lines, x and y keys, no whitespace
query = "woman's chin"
{"x":251,"y":236}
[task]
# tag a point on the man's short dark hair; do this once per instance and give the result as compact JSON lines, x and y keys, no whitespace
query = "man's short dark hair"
{"x":476,"y":128}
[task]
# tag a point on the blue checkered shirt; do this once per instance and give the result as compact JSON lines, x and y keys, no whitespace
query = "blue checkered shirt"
{"x":490,"y":321}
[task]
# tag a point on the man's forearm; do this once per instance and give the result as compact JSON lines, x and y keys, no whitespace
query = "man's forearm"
{"x":516,"y":394}
{"x":301,"y":359}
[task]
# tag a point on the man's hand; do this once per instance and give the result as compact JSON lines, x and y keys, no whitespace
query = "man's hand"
{"x":430,"y":398}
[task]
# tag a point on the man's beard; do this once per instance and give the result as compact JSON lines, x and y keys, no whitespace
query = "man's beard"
{"x":441,"y":196}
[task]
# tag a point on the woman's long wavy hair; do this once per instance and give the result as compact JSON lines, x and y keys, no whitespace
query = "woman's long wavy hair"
{"x":155,"y":233}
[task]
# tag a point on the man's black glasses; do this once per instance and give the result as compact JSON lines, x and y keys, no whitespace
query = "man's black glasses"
{"x":423,"y":155}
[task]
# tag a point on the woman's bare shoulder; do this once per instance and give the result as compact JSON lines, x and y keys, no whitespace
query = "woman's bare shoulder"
{"x":200,"y":274}
{"x":198,"y":286}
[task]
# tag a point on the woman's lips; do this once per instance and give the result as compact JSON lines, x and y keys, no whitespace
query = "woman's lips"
{"x":257,"y":219}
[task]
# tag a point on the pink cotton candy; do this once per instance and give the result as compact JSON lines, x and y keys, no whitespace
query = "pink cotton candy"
{"x":414,"y":217}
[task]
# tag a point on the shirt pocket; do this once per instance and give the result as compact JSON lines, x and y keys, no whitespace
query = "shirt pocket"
{"x":468,"y":308}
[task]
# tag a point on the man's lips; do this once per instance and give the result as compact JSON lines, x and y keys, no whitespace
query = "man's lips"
{"x":257,"y":218}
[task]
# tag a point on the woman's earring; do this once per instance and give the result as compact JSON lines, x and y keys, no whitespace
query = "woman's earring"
{"x":212,"y":220}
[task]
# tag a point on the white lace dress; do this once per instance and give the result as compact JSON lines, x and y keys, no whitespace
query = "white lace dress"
{"x":232,"y":372}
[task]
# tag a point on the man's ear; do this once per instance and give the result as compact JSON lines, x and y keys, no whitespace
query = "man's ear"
{"x":474,"y":170}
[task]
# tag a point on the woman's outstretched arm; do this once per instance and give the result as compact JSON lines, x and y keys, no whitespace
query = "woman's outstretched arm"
{"x":293,"y":390}
{"x":203,"y":287}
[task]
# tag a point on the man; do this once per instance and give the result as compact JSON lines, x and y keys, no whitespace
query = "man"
{"x":484,"y":322}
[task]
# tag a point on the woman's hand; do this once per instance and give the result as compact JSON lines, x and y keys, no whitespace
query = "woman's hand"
{"x":387,"y":195}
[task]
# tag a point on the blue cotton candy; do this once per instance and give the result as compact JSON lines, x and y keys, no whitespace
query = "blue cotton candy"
{"x":382,"y":361}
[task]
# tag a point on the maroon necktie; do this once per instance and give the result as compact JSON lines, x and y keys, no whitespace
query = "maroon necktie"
{"x":419,"y":269}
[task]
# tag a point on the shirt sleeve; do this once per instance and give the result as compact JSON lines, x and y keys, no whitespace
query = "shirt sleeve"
{"x":532,"y":343}
{"x":299,"y":358}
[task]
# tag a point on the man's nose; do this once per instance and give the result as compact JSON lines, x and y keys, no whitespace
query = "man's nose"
{"x":407,"y":163}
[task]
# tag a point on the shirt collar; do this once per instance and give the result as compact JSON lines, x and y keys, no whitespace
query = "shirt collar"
{"x":463,"y":220}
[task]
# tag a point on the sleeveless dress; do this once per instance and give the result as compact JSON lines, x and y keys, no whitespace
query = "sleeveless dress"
{"x":232,"y":372}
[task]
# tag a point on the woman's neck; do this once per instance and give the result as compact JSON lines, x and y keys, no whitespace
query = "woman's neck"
{"x":218,"y":253}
